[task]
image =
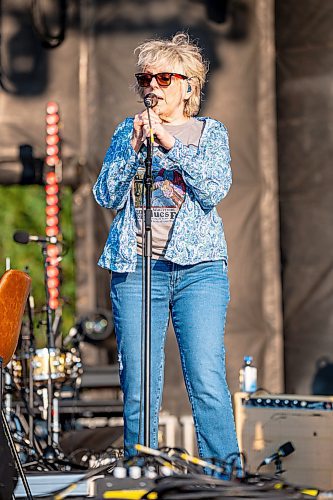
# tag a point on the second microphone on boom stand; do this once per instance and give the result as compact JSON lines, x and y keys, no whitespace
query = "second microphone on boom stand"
{"x":51,"y":453}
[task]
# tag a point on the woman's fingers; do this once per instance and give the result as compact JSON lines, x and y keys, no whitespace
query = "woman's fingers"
{"x":143,"y":128}
{"x":154,"y":118}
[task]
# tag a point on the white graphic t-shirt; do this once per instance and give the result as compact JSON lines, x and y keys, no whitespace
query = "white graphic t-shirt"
{"x":168,"y":192}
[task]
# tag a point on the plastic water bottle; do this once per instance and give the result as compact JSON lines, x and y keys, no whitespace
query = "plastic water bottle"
{"x":248,"y":376}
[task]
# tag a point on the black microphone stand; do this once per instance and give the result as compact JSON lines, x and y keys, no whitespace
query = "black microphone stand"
{"x":147,"y":249}
{"x":49,"y":452}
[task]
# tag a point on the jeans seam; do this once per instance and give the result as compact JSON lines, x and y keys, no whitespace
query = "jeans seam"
{"x":190,"y":395}
{"x":159,"y":388}
{"x":171,"y":286}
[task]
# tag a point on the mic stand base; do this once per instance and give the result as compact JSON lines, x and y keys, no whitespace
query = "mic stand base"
{"x":278,"y":467}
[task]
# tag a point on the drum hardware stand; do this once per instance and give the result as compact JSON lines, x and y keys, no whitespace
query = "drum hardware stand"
{"x":28,"y":347}
{"x":8,"y":391}
{"x":11,"y":441}
{"x":27,"y":354}
{"x":31,"y":401}
{"x":56,"y":425}
{"x":28,"y":445}
{"x":49,"y":453}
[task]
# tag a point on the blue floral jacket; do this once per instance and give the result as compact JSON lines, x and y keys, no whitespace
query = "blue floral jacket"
{"x":197,"y":234}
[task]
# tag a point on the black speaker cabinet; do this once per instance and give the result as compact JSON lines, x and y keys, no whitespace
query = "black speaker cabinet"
{"x":265,"y":422}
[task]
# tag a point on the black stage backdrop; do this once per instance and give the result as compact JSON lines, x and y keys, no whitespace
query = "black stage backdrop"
{"x":304,"y":41}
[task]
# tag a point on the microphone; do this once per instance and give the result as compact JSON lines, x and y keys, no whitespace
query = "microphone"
{"x":150,"y":100}
{"x":23,"y":237}
{"x":284,"y":450}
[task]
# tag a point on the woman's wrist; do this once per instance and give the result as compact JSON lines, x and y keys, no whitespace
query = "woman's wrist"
{"x":169,"y":144}
{"x":135,"y":143}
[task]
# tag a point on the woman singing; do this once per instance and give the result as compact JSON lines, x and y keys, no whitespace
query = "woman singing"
{"x":191,"y":175}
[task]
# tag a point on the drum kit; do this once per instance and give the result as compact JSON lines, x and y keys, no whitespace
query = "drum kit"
{"x":34,"y":381}
{"x":63,"y":366}
{"x":31,"y":406}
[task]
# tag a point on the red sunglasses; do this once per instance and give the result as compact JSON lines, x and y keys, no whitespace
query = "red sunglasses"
{"x":163,"y":79}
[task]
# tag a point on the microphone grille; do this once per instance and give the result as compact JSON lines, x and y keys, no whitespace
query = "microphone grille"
{"x":21,"y":237}
{"x":286,"y":449}
{"x":150,"y":100}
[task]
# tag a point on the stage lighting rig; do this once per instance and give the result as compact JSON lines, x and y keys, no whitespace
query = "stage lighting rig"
{"x":53,"y":174}
{"x":49,"y":21}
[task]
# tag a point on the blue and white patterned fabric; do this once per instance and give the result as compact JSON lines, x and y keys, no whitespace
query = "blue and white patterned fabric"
{"x":198,"y":233}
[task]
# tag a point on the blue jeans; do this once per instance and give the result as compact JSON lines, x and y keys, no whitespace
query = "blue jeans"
{"x":197,"y":297}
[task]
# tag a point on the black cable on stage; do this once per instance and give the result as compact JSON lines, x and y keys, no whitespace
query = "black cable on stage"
{"x":200,"y":486}
{"x":63,"y":492}
{"x":192,"y":487}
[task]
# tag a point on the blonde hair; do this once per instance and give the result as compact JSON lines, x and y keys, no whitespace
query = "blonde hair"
{"x":179,"y":50}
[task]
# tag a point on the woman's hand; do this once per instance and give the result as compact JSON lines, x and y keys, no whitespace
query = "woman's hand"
{"x":141,"y":130}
